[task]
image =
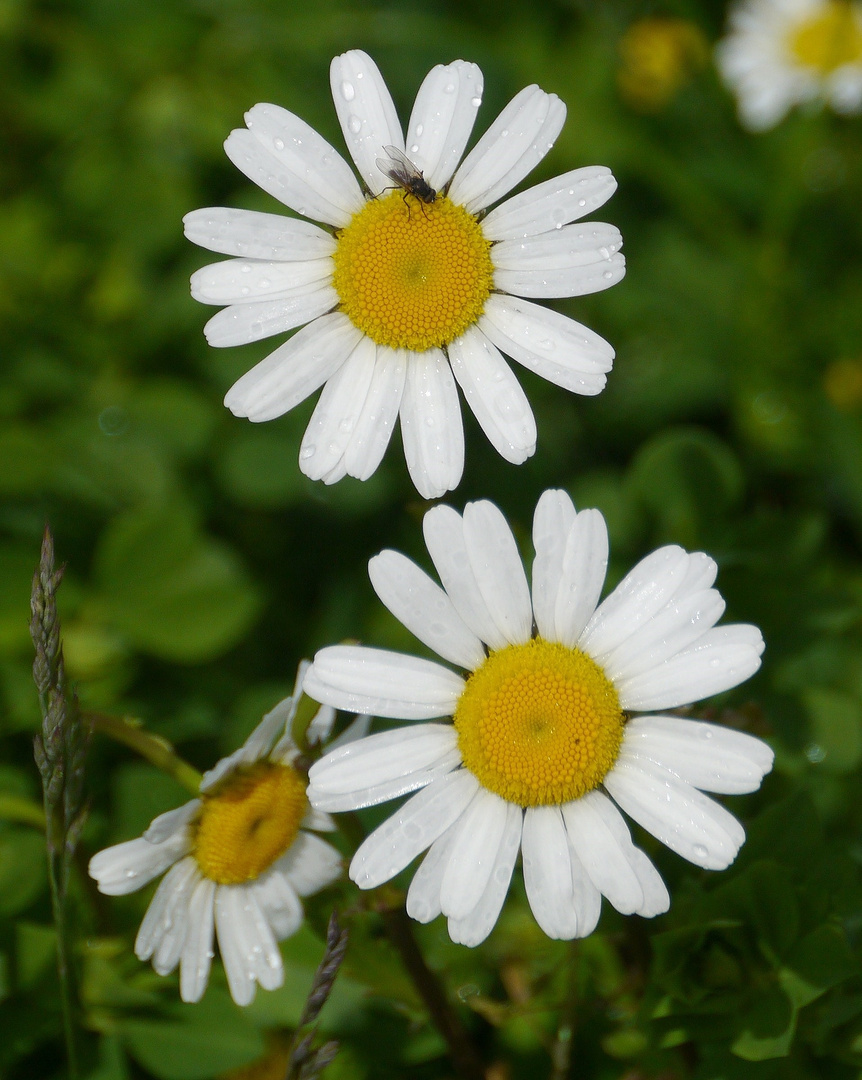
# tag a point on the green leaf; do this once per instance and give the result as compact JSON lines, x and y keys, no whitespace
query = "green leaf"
{"x":198,"y":1042}
{"x":836,"y":729}
{"x":820,"y":960}
{"x":23,"y":872}
{"x":173,"y":591}
{"x":687,"y":477}
{"x":769,"y":1026}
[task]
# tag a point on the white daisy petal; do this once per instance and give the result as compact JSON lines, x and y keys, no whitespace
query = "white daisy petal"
{"x":674,"y":628}
{"x":498,"y":570}
{"x":548,"y":872}
{"x":689,"y":823}
{"x":554,"y":515}
{"x":475,"y":927}
{"x":707,"y":756}
{"x":699,"y":575}
{"x":619,"y":871}
{"x":245,"y":281}
{"x":586,"y":898}
{"x":494,"y":395}
{"x":442,"y":119}
{"x":376,"y":421}
{"x":572,"y":261}
{"x":291,"y":179}
{"x":228,"y":922}
{"x":407,"y":757}
{"x":125,"y":868}
{"x":424,"y":608}
{"x":639,"y":596}
{"x":278,"y":902}
{"x":585,"y":563}
{"x":161,"y":920}
{"x":197,"y":953}
{"x":423,"y":896}
{"x":473,"y":853}
{"x":719,"y":660}
{"x":511,"y":147}
{"x":431,"y":427}
{"x":382,"y":683}
{"x":253,"y":235}
{"x":261,"y":950}
{"x":551,"y":205}
{"x":366,"y":113}
{"x":554,"y":346}
{"x":309,"y":865}
{"x":295,"y":370}
{"x":413,"y":828}
{"x":241,"y":324}
{"x":168,"y":825}
{"x":319,"y":172}
{"x":333,"y":422}
{"x":444,"y":537}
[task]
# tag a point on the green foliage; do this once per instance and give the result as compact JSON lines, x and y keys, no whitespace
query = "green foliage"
{"x":202,"y":566}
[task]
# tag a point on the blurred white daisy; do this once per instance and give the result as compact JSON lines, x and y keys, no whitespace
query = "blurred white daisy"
{"x":404,"y":296}
{"x":547,"y":741}
{"x":781,"y":53}
{"x":238,"y":860}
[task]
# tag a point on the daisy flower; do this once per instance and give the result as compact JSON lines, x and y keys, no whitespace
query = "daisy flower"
{"x":781,"y":53}
{"x":548,"y":740}
{"x":411,"y":287}
{"x":238,"y":860}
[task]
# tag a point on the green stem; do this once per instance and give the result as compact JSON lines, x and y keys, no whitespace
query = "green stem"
{"x":154,"y":748}
{"x":561,"y":1052}
{"x":16,"y":808}
{"x":463,"y":1054}
{"x":57,"y":877}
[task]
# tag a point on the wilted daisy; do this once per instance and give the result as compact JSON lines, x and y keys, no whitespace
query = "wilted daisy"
{"x":780,"y":53}
{"x":238,"y":860}
{"x":548,"y":742}
{"x":411,"y":286}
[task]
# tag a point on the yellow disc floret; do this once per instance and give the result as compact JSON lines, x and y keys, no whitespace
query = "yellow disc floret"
{"x":539,"y":724}
{"x":829,"y":40}
{"x":248,"y":821}
{"x":410,"y":274}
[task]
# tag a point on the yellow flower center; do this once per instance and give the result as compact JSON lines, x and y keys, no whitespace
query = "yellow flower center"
{"x":248,"y":821}
{"x":539,"y":724}
{"x":830,"y":39}
{"x":412,"y":275}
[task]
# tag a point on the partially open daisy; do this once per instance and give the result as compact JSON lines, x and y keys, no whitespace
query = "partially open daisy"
{"x":238,"y":860}
{"x":404,"y":297}
{"x":780,"y":53}
{"x":547,"y":740}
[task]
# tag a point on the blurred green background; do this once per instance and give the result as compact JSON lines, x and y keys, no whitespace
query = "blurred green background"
{"x":202,"y":566}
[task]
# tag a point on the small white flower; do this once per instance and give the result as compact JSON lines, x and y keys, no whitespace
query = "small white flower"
{"x":781,"y":53}
{"x":404,"y":297}
{"x":545,"y":739}
{"x":238,"y":861}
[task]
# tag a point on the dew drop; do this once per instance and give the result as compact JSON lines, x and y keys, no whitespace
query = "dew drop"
{"x":346,"y":426}
{"x":607,"y":275}
{"x":700,"y":851}
{"x":476,"y":102}
{"x":308,"y":452}
{"x":605,"y":254}
{"x":245,"y":269}
{"x":348,"y":91}
{"x":278,"y":144}
{"x":264,"y":283}
{"x":582,"y":202}
{"x":419,"y":130}
{"x":354,"y":125}
{"x":244,"y":291}
{"x":449,"y":88}
{"x":504,"y":133}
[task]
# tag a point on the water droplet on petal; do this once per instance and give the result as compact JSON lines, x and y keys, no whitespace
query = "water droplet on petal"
{"x":476,"y":102}
{"x":414,"y":149}
{"x":308,"y":451}
{"x":700,"y":851}
{"x":354,"y":125}
{"x":278,"y":144}
{"x":348,"y":91}
{"x":607,"y":275}
{"x":449,"y":88}
{"x":419,"y":129}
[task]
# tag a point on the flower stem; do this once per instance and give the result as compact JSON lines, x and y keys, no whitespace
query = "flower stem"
{"x":158,"y":751}
{"x":60,"y":750}
{"x":464,"y":1057}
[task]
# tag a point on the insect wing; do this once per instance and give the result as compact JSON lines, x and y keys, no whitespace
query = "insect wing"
{"x":398,"y":167}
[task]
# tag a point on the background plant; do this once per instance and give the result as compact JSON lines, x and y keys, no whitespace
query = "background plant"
{"x":202,"y":565}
